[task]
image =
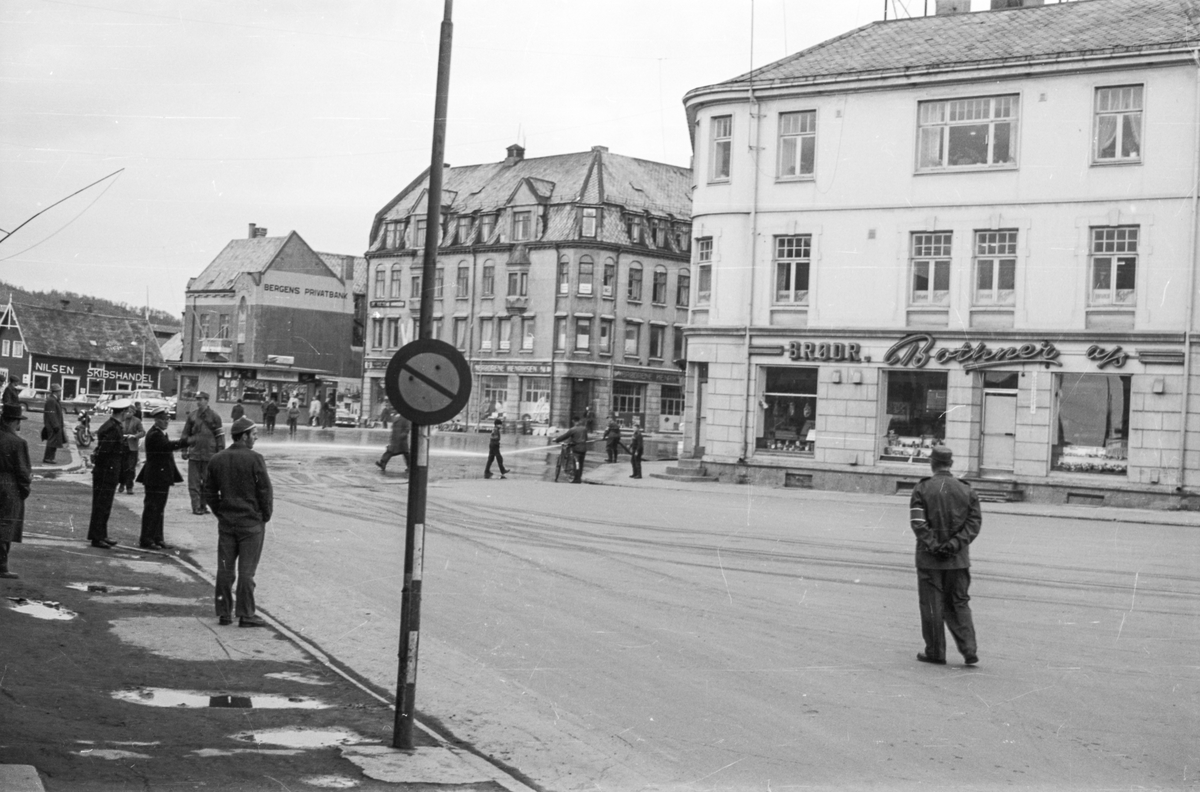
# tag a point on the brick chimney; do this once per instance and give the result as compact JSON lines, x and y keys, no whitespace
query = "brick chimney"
{"x":255,"y":231}
{"x":515,"y":154}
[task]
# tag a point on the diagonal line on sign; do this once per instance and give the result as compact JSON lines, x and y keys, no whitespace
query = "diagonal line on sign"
{"x":437,"y":386}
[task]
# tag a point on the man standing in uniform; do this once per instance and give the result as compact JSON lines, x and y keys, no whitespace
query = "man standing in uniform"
{"x":945,"y":516}
{"x":612,"y":438}
{"x":635,"y":451}
{"x":204,"y":437}
{"x":398,"y":445}
{"x":158,"y":475}
{"x":16,"y":476}
{"x":238,"y":490}
{"x":578,"y":437}
{"x":494,"y":454}
{"x":106,"y":472}
{"x":53,"y":431}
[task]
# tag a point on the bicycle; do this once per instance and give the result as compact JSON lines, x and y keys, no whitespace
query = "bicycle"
{"x":565,"y":463}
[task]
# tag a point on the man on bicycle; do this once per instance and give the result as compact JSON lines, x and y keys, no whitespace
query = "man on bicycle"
{"x":577,"y":435}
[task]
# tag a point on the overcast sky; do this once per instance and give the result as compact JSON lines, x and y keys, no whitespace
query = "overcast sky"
{"x":309,"y":115}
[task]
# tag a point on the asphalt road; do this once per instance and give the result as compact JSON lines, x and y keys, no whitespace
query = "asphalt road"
{"x":738,"y":638}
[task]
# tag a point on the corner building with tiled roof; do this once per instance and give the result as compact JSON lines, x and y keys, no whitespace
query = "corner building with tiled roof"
{"x":976,"y":229}
{"x":564,"y":280}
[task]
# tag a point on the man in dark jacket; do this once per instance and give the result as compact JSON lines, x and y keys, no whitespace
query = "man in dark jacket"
{"x":398,"y":445}
{"x":134,"y":432}
{"x":157,"y":476}
{"x":15,"y":480}
{"x":494,"y":454}
{"x":238,"y":490}
{"x":945,"y":516}
{"x":106,"y":472}
{"x":205,"y":437}
{"x":270,"y":410}
{"x":11,"y":395}
{"x":577,"y":435}
{"x":53,"y":423}
{"x":612,"y":438}
{"x":636,"y":446}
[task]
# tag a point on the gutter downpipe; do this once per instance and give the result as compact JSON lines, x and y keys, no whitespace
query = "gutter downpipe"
{"x":1191,"y":300}
{"x":755,"y":153}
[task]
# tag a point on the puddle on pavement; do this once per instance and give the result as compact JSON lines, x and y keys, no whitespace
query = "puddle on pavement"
{"x":331,"y":782}
{"x":292,"y":676}
{"x":39,"y":609}
{"x":302,"y":738}
{"x":103,"y":588}
{"x":112,"y":753}
{"x":192,"y":699}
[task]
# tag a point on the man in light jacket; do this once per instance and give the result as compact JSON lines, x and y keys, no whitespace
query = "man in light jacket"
{"x":205,"y":437}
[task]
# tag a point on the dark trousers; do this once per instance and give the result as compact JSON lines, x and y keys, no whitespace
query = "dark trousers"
{"x":291,"y":427}
{"x":197,"y":471}
{"x":611,"y":449}
{"x":4,"y":556}
{"x":579,"y":457}
{"x":238,"y":551}
{"x":102,"y":501}
{"x":49,"y":454}
{"x":129,"y":462}
{"x":387,"y":455}
{"x":636,"y":461}
{"x":494,"y":455}
{"x":943,"y":597}
{"x":153,"y":506}
{"x":270,"y":422}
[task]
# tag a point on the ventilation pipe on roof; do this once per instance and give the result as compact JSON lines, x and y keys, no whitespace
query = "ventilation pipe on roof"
{"x":255,"y":231}
{"x":602,"y":149}
{"x":515,"y":154}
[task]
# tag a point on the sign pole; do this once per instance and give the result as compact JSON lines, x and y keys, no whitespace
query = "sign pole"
{"x":414,"y":537}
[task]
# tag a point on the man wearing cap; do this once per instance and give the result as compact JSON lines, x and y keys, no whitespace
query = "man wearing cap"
{"x":52,"y":425}
{"x":15,"y":480}
{"x":205,"y":437}
{"x":106,"y":472}
{"x":945,"y":516}
{"x":157,"y":476}
{"x":134,"y":432}
{"x":238,"y":490}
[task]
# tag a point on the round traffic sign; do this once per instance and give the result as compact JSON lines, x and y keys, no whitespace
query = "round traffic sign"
{"x":428,"y":381}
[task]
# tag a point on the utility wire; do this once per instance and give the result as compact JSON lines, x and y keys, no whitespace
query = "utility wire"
{"x":56,"y":203}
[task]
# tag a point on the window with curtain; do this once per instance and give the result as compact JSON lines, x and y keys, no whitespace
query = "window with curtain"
{"x":1118,"y":124}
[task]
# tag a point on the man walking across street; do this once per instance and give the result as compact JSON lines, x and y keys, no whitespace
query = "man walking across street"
{"x":612,"y":438}
{"x":577,"y":435}
{"x":398,"y":445}
{"x":53,"y":425}
{"x":157,"y":476}
{"x":945,"y":516}
{"x":106,"y":472}
{"x":16,"y":476}
{"x":204,"y":437}
{"x":270,"y":410}
{"x":134,"y":432}
{"x":238,"y":490}
{"x":635,"y":451}
{"x":494,"y":451}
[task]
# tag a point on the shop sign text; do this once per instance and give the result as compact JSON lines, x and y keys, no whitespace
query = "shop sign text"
{"x":918,"y":349}
{"x":826,"y":351}
{"x":1107,"y":357}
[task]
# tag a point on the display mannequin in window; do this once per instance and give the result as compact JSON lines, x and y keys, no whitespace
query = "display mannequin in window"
{"x":945,"y":517}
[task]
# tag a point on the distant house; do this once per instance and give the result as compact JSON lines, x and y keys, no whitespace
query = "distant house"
{"x":271,"y":316}
{"x":82,"y":351}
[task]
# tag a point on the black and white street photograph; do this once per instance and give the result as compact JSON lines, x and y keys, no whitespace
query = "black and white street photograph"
{"x":533,"y":396}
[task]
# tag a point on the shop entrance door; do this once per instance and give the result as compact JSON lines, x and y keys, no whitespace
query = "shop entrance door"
{"x":70,"y":388}
{"x":701,"y":422}
{"x":999,"y":433}
{"x":581,"y":398}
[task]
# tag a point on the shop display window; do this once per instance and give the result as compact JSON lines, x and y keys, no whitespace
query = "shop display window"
{"x":915,"y":415}
{"x":789,"y":405}
{"x":1092,"y":430}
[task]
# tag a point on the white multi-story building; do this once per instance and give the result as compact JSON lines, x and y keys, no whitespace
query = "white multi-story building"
{"x":969,"y":228}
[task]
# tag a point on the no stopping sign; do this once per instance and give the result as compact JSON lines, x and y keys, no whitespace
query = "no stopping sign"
{"x":428,"y":381}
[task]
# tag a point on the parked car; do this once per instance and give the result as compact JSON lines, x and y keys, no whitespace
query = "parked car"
{"x":345,"y":418}
{"x":172,"y":401}
{"x":34,"y":400}
{"x":144,"y":399}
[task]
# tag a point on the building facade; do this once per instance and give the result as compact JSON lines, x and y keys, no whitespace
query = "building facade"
{"x":971,"y":229}
{"x":564,"y":281}
{"x":81,"y":351}
{"x":271,"y":316}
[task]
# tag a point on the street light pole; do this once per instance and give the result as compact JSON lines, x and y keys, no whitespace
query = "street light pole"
{"x":414,"y":538}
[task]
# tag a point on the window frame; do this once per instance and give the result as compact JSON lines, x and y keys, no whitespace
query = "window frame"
{"x":394,"y":287}
{"x":633,"y":285}
{"x":1121,"y":115}
{"x":560,"y":334}
{"x":381,"y":273}
{"x":922,"y":254}
{"x":995,"y":248}
{"x":487,"y":286}
{"x":720,"y":148}
{"x":583,"y":334}
{"x":419,"y":233}
{"x":487,"y":333}
{"x":563,"y":275}
{"x":528,"y":332}
{"x":801,"y":140}
{"x":634,"y":329}
{"x":462,"y":282}
{"x":683,"y":288}
{"x":946,"y":138}
{"x":608,"y":284}
{"x":589,"y":222}
{"x":518,"y":283}
{"x":658,"y":341}
{"x":462,"y":229}
{"x":658,"y":286}
{"x":1118,"y":237}
{"x":587,"y":276}
{"x":522,"y":225}
{"x":798,"y":264}
{"x":604,"y":337}
{"x":704,"y":261}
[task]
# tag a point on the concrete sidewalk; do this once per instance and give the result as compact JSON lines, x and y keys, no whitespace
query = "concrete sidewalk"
{"x":116,"y":675}
{"x":617,"y":475}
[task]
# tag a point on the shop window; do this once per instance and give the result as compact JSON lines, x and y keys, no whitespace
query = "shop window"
{"x":1114,"y":265}
{"x":487,"y":283}
{"x":1092,"y":432}
{"x":189,"y":385}
{"x":789,"y":405}
{"x":535,"y":399}
{"x":995,"y":267}
{"x":671,"y":400}
{"x":916,"y":414}
{"x":931,"y":268}
{"x":41,"y":382}
{"x":494,"y":399}
{"x":1118,"y":124}
{"x":628,"y":398}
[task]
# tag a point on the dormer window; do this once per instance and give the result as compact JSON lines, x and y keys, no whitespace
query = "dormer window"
{"x":660,"y":233}
{"x":635,"y":226}
{"x":522,"y":223}
{"x":487,"y":224}
{"x":462,"y":233}
{"x":588,"y":227}
{"x":393,"y":234}
{"x":419,"y":234}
